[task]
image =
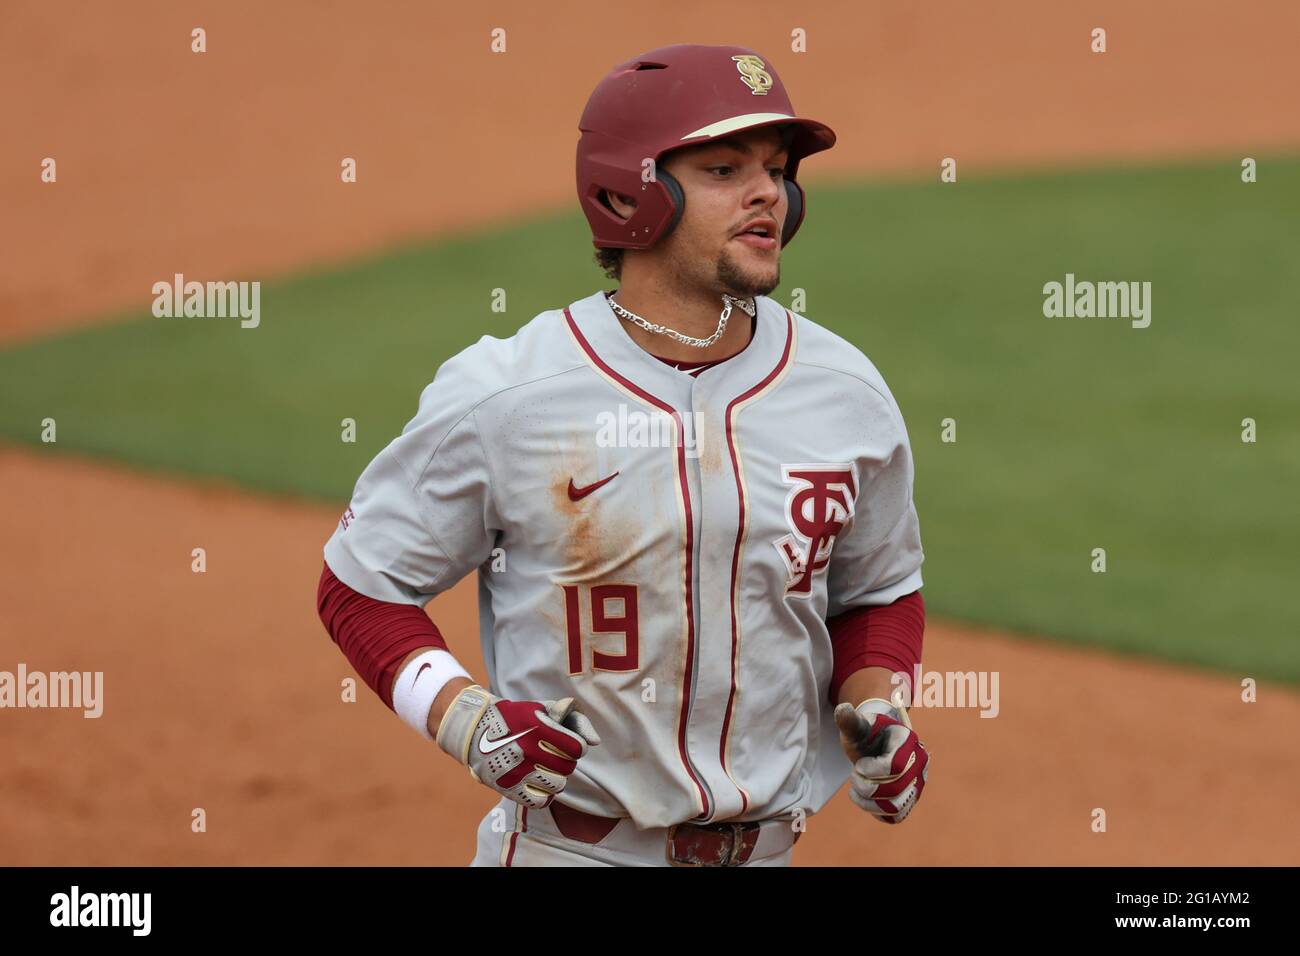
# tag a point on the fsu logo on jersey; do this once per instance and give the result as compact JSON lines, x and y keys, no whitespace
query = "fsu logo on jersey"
{"x":817,"y":507}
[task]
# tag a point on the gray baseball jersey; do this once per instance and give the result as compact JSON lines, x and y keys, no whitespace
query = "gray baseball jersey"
{"x":663,"y":547}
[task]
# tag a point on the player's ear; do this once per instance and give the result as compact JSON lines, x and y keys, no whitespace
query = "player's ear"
{"x":623,"y":205}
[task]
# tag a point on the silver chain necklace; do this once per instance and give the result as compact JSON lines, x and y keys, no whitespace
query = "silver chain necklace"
{"x":746,"y":305}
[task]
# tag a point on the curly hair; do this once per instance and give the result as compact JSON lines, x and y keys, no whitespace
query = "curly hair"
{"x":611,"y":261}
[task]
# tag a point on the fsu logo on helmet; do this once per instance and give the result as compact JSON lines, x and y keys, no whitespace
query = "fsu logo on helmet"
{"x":817,"y":508}
{"x":754,"y":72}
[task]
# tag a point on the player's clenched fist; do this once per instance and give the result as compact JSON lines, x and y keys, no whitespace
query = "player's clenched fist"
{"x":523,"y":749}
{"x":890,"y":764}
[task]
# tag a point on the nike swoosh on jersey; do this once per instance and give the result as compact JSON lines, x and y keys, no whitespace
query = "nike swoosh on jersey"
{"x":576,"y":493}
{"x":486,"y":746}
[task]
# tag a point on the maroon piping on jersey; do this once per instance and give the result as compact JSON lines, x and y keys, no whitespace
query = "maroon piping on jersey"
{"x":514,"y":836}
{"x":690,"y":530}
{"x":740,"y":536}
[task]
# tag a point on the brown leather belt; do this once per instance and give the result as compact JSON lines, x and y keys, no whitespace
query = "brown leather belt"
{"x":711,"y":844}
{"x":688,"y":844}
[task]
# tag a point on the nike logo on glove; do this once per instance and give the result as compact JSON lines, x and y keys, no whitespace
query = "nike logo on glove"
{"x":576,"y":493}
{"x":486,"y":746}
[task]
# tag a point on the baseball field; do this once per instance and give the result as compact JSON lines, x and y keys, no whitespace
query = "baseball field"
{"x":1166,"y":445}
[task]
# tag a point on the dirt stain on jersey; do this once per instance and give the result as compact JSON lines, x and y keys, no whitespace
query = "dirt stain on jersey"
{"x":711,"y":448}
{"x":601,"y":542}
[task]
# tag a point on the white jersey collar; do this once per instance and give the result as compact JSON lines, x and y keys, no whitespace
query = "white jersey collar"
{"x":604,"y":341}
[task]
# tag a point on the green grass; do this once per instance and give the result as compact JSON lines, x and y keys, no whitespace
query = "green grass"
{"x":1072,"y":433}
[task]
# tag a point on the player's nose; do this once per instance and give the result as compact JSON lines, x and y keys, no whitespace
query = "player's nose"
{"x":768,"y":190}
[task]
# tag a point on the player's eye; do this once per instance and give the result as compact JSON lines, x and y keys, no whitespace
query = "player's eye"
{"x":777,"y":172}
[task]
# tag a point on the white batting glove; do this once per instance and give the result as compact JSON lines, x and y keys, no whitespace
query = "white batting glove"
{"x":890,"y":764}
{"x":522,"y":749}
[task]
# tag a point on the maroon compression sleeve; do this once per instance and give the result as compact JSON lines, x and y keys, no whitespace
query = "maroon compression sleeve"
{"x":375,"y":636}
{"x":888,"y":636}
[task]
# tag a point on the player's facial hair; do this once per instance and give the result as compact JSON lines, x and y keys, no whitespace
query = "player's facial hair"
{"x":740,"y":283}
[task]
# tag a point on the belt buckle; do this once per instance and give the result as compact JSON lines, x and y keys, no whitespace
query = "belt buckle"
{"x":735,"y":847}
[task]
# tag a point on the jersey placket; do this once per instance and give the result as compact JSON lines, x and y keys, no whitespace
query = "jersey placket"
{"x":715,"y":529}
{"x":719,"y":398}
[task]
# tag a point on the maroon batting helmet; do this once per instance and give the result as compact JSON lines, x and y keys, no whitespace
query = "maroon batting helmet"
{"x":668,"y":98}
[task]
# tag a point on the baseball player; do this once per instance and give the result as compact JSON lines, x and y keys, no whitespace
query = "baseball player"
{"x":689,"y":508}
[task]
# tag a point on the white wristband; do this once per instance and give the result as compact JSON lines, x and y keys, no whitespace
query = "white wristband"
{"x":419,"y":682}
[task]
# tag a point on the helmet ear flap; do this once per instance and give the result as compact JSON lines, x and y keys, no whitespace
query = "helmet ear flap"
{"x":675,"y":196}
{"x":794,"y":210}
